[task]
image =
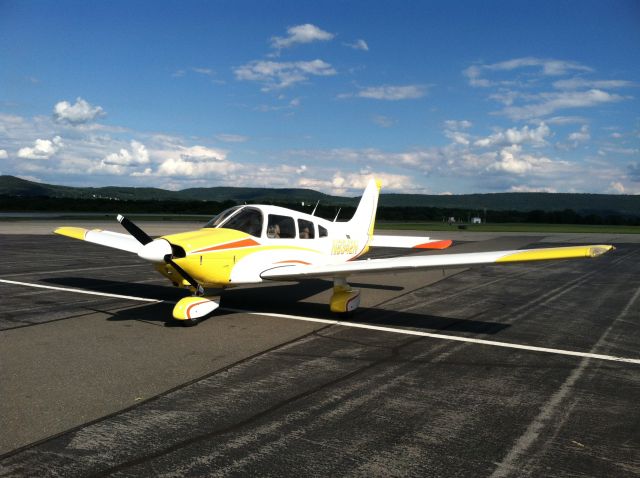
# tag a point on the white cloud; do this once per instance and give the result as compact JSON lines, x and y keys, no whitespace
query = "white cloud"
{"x":452,"y":131}
{"x":617,"y":187}
{"x":277,"y":75}
{"x":383,"y":121}
{"x":474,"y":75}
{"x":204,"y":71}
{"x":548,"y":103}
{"x":580,"y":136}
{"x":306,"y":33}
{"x":513,"y":161}
{"x":535,"y":136}
{"x":3,"y":154}
{"x":42,"y":149}
{"x":231,"y":138}
{"x":457,"y":125}
{"x":180,"y":167}
{"x":546,"y":67}
{"x":392,"y":93}
{"x":577,"y":83}
{"x":531,"y":189}
{"x":202,"y":154}
{"x":179,"y":161}
{"x":342,"y":183}
{"x":77,"y":113}
{"x":457,"y":137}
{"x":614,"y":150}
{"x":563,"y":120}
{"x":358,"y":45}
{"x":138,"y":155}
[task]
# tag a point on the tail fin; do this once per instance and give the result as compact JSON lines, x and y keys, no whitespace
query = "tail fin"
{"x":365,"y":216}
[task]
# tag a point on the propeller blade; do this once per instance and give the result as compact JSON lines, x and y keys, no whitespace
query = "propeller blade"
{"x":160,"y":244}
{"x":142,"y":237}
{"x":183,"y":273}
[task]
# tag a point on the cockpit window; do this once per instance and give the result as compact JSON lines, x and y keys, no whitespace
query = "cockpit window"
{"x":281,"y":227}
{"x":248,"y":220}
{"x":217,"y":220}
{"x":306,"y":229}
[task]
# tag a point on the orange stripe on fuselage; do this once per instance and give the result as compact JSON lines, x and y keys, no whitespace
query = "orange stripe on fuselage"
{"x":230,"y":245}
{"x":294,"y":262}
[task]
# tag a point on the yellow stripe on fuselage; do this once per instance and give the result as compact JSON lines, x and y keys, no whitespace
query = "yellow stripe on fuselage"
{"x":571,"y":252}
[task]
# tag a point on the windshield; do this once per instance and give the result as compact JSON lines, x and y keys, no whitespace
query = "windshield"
{"x":217,"y":220}
{"x":248,"y":220}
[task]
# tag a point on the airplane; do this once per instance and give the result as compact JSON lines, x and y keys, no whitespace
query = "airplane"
{"x":252,"y":244}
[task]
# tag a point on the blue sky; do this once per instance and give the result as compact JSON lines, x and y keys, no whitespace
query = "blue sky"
{"x":433,"y":97}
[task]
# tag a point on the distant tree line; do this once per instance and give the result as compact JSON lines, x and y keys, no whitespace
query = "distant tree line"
{"x":211,"y":208}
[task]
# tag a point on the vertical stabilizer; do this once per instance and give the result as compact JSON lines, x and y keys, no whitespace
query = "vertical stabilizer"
{"x":365,"y":216}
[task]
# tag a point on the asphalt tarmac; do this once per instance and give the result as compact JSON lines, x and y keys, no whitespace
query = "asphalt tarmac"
{"x":97,"y":385}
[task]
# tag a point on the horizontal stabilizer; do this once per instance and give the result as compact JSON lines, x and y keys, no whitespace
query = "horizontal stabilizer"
{"x":441,"y":261}
{"x":124,"y":242}
{"x":409,"y":242}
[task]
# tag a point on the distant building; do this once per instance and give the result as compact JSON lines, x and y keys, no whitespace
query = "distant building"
{"x":476,"y":220}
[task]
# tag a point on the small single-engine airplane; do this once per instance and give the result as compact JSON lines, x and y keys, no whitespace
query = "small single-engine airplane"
{"x":251,"y":244}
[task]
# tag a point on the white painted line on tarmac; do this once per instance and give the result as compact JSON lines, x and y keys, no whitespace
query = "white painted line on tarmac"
{"x":79,"y":291}
{"x":494,"y":343}
{"x":393,"y":330}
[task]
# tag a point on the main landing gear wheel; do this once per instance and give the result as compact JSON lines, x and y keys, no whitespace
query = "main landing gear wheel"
{"x":344,"y":300}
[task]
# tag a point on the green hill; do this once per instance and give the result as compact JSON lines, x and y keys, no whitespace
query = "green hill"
{"x":606,"y":204}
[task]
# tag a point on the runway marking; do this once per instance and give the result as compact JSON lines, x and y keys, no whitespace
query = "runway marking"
{"x":394,"y":330}
{"x":61,"y":271}
{"x":79,"y":291}
{"x":545,"y":418}
{"x":356,"y":325}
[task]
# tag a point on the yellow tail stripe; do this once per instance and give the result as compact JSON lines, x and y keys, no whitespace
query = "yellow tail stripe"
{"x":571,"y":252}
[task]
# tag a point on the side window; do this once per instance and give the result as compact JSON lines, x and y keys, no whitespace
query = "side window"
{"x":248,"y":220}
{"x":322,"y":232}
{"x":306,"y":228}
{"x":281,"y":227}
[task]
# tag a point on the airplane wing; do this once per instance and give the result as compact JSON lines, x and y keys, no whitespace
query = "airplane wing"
{"x":444,"y":261}
{"x":124,"y":242}
{"x":409,"y":242}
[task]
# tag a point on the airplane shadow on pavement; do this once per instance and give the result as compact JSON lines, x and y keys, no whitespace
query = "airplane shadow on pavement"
{"x":288,"y":298}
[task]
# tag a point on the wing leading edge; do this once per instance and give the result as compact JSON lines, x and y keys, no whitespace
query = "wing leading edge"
{"x":116,"y":240}
{"x":294,"y":272}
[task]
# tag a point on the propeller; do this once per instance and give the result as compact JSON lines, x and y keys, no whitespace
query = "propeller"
{"x":142,"y":237}
{"x":157,"y":250}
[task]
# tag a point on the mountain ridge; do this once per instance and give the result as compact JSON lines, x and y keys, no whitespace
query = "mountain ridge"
{"x":11,"y":186}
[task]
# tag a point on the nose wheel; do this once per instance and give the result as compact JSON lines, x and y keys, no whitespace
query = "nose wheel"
{"x":190,"y":310}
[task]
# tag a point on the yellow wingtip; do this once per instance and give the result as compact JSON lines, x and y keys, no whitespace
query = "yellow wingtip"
{"x":74,"y":232}
{"x":571,"y":252}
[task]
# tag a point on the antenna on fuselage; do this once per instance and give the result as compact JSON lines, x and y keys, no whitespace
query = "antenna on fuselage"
{"x":313,"y":213}
{"x":337,"y":214}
